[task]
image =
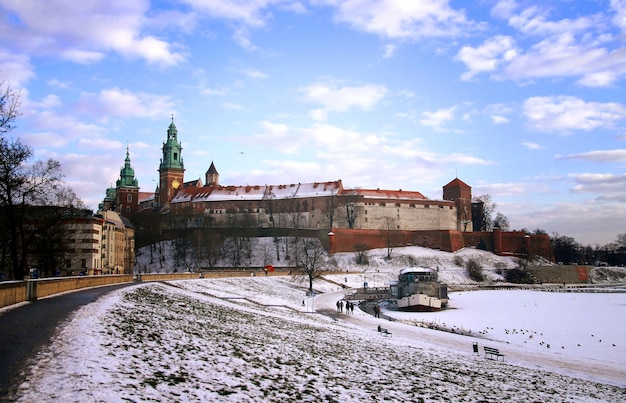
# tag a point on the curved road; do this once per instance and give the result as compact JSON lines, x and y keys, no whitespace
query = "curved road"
{"x":26,"y":328}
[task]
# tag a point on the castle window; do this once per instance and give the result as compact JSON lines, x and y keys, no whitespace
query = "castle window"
{"x":412,"y":205}
{"x":129,"y":198}
{"x":175,"y":156}
{"x":397,"y":204}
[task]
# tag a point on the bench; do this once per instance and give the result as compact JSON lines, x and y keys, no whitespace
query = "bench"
{"x":493,"y":352}
{"x":383,"y":331}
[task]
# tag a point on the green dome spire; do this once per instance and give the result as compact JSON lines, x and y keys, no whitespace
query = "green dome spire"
{"x":127,"y":175}
{"x":172,"y":149}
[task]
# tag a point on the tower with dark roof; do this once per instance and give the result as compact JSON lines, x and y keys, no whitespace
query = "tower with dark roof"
{"x":211,"y":177}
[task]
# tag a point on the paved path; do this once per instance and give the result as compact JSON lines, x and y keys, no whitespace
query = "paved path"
{"x":27,"y":328}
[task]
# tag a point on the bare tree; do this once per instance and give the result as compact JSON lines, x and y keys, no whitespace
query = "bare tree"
{"x":491,"y":217}
{"x":312,"y":259}
{"x":501,"y":221}
{"x":23,"y":186}
{"x":10,"y":102}
{"x":392,"y":235}
{"x":232,"y":251}
{"x":361,"y":254}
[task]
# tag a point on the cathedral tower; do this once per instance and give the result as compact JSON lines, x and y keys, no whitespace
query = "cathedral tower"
{"x":127,"y":190}
{"x":461,"y":193}
{"x":171,"y":169}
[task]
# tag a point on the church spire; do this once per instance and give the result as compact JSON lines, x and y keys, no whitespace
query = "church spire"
{"x":127,"y":174}
{"x":172,"y":150}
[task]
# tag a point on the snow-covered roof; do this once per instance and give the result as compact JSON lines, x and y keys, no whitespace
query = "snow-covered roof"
{"x":389,"y":194}
{"x":257,"y":192}
{"x":420,"y":270}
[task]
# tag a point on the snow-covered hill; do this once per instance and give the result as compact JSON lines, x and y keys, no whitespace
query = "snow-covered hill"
{"x":452,"y":267}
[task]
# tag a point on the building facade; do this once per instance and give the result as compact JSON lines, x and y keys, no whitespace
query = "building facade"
{"x":302,"y":206}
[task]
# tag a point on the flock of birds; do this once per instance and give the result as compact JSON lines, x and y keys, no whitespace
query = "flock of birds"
{"x":468,"y":332}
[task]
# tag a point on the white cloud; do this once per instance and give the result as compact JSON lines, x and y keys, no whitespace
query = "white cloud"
{"x":252,"y":73}
{"x":533,"y":21}
{"x":532,"y":146}
{"x":247,"y":12}
{"x":619,"y":20}
{"x":115,"y":102}
{"x":562,"y":56}
{"x":488,"y":56}
{"x":566,"y":113}
{"x":337,"y":139}
{"x":618,"y":155}
{"x":497,"y":119}
{"x":220,"y":91}
{"x":438,"y":118}
{"x":580,"y":47}
{"x":389,"y":51}
{"x":233,"y":106}
{"x":414,"y":19}
{"x":342,"y":99}
{"x":48,"y":102}
{"x":82,"y":31}
{"x":82,"y":56}
{"x":15,"y":69}
{"x":244,"y":14}
{"x":504,"y":9}
{"x":610,"y":187}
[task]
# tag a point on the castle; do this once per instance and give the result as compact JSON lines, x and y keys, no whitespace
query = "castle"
{"x":342,"y":216}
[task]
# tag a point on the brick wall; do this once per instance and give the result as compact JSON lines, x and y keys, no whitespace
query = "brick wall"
{"x":510,"y":243}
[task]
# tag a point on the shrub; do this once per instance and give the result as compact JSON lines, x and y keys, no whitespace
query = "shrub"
{"x":482,"y":245}
{"x":362,"y":257}
{"x":458,"y":260}
{"x":475,"y":270}
{"x":519,"y":276}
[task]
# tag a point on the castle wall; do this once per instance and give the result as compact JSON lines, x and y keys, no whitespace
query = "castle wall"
{"x":313,"y":213}
{"x":344,"y":240}
{"x":414,"y":215}
{"x":570,"y":274}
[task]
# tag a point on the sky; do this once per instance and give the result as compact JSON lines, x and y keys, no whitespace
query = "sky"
{"x":522,"y":100}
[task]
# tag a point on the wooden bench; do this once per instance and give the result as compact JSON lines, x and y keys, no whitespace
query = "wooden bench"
{"x":493,"y":352}
{"x":383,"y":331}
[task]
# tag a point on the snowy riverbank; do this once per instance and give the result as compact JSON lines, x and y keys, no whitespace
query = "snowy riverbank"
{"x":250,"y":339}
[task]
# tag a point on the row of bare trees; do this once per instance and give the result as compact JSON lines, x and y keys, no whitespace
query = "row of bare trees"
{"x":30,"y":231}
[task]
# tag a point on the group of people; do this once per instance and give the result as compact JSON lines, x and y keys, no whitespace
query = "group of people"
{"x":349,"y":307}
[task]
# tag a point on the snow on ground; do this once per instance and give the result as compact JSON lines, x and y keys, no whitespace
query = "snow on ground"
{"x":585,"y":322}
{"x":250,"y":339}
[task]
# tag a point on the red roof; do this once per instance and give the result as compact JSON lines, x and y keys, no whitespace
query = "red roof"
{"x":457,"y":182}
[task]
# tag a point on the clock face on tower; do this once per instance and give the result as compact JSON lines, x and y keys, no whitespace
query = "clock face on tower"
{"x":175,"y":184}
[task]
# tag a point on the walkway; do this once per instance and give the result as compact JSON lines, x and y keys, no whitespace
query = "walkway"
{"x":26,"y":328}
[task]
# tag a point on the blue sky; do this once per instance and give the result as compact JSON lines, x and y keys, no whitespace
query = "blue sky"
{"x":522,"y":100}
